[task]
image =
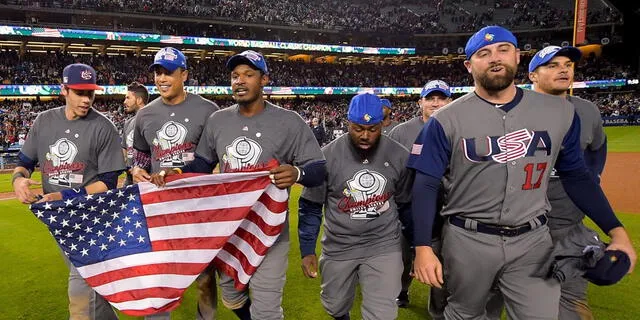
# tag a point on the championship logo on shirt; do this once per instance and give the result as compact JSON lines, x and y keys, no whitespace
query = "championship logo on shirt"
{"x":242,"y":153}
{"x":169,"y":146}
{"x":129,"y":143}
{"x":60,"y":167}
{"x":364,"y":196}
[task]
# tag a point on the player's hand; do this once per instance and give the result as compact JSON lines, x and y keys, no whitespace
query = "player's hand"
{"x":620,"y":241}
{"x":54,"y":196}
{"x":22,"y":191}
{"x":284,"y":176}
{"x":159,"y":178}
{"x":140,"y":175}
{"x":310,"y":266}
{"x":427,"y":268}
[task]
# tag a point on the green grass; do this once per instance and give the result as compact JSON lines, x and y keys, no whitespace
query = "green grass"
{"x":623,"y":139}
{"x":5,"y":182}
{"x":33,"y":277}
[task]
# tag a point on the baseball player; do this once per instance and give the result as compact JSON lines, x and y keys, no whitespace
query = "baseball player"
{"x":136,"y":98}
{"x":78,"y":151}
{"x":165,"y":135}
{"x":366,"y":182}
{"x":551,"y":72}
{"x":247,"y":136}
{"x":387,"y":123}
{"x":495,"y":148}
{"x":434,"y":96}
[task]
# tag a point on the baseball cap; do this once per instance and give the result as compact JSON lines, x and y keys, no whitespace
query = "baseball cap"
{"x":609,"y":269}
{"x":547,"y":53}
{"x":80,"y":76}
{"x":365,"y":109}
{"x":170,"y":59}
{"x":487,"y":36}
{"x":435,"y":85}
{"x":386,"y":103}
{"x":249,"y":57}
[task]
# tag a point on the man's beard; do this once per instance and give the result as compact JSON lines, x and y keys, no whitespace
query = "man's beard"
{"x":498,"y":82}
{"x":365,"y":153}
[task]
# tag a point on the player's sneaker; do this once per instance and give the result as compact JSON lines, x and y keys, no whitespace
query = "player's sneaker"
{"x":403,"y":299}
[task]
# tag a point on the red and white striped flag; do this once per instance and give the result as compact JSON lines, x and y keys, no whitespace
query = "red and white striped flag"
{"x":141,"y":246}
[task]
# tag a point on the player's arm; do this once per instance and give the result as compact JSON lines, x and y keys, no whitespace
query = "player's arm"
{"x":309,"y":221}
{"x":21,"y":179}
{"x":430,"y":157}
{"x":587,"y":194}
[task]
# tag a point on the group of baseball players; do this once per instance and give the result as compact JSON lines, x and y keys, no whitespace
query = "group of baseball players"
{"x":481,"y":198}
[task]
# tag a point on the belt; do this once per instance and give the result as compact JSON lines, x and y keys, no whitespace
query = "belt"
{"x":500,"y":230}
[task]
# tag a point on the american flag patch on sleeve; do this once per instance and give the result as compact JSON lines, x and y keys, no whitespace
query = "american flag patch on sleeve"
{"x":416,"y":149}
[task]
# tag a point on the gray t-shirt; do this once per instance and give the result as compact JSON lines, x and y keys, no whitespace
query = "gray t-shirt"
{"x":127,"y":139}
{"x":407,"y":132}
{"x":72,"y":153}
{"x":239,"y":143}
{"x":387,"y":129}
{"x":170,"y":133}
{"x":360,"y":198}
{"x":563,"y":212}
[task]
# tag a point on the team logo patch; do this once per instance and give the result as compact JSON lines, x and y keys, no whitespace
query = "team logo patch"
{"x":242,"y":153}
{"x":86,"y":75}
{"x":489,"y":37}
{"x":364,"y":196}
{"x":252,"y":55}
{"x":544,"y":52}
{"x":169,"y":146}
{"x":366,"y":117}
{"x":60,"y":163}
{"x":166,"y":54}
{"x":512,"y":146}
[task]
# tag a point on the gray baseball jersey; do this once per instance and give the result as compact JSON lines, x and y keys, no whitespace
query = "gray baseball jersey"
{"x":239,"y":143}
{"x":387,"y":129}
{"x":170,"y":133}
{"x":360,"y":198}
{"x":496,"y":164}
{"x":563,"y":212}
{"x":72,"y":153}
{"x":407,"y":132}
{"x":127,"y":138}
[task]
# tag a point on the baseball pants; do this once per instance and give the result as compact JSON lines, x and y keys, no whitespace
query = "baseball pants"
{"x":573,"y":294}
{"x":84,"y":302}
{"x":379,"y":279}
{"x":475,"y":262}
{"x":407,"y":261}
{"x":266,"y":285}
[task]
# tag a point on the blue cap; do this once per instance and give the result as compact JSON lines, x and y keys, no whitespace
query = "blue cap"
{"x":435,"y":85}
{"x":170,"y":59}
{"x":487,"y":36}
{"x":365,"y":109}
{"x":80,"y":76}
{"x":609,"y":269}
{"x":547,"y":53}
{"x":386,"y":103}
{"x":249,"y":57}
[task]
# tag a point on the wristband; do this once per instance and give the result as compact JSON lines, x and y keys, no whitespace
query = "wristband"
{"x":17,"y":175}
{"x":299,"y":173}
{"x":72,"y":193}
{"x":177,"y":170}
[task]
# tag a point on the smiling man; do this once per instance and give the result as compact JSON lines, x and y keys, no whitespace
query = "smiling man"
{"x":165,"y":135}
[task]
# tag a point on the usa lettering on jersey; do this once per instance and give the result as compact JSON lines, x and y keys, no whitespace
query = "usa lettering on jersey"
{"x":512,"y":146}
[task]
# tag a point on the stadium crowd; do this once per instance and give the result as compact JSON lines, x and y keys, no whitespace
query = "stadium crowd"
{"x":39,"y":68}
{"x":431,"y":16}
{"x":16,"y":116}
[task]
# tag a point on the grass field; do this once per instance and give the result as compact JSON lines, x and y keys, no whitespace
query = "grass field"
{"x":33,"y":277}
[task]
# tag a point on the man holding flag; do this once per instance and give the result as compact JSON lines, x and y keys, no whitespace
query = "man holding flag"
{"x":79,"y":154}
{"x":249,"y":136}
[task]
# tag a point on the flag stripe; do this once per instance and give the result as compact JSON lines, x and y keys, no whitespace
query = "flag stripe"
{"x":140,"y":294}
{"x":140,"y":307}
{"x":227,"y":214}
{"x":191,"y":180}
{"x":231,"y":266}
{"x":189,"y":243}
{"x":159,"y":268}
{"x":144,"y":282}
{"x":245,"y":199}
{"x":177,"y":256}
{"x":277,"y":206}
{"x":270,"y":229}
{"x":206,"y":191}
{"x":208,"y":229}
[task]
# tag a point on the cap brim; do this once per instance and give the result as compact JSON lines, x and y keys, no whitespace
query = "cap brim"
{"x":430,"y":91}
{"x":169,"y":66}
{"x":84,"y":86}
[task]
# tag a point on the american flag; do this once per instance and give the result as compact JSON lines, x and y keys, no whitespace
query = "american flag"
{"x":141,"y":246}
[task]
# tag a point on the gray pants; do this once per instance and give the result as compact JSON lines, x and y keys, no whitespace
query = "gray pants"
{"x":573,"y":295}
{"x":438,"y":297}
{"x":379,"y":279}
{"x":84,"y":302}
{"x":474,"y":263}
{"x":266,"y":285}
{"x":407,"y":260}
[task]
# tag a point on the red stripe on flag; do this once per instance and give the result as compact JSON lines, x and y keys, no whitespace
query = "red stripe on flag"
{"x":230,"y":271}
{"x":138,"y":294}
{"x":240,"y":255}
{"x":265,"y":227}
{"x":189,"y":243}
{"x":202,"y":216}
{"x":146,"y":270}
{"x":145,"y":312}
{"x":204,"y":191}
{"x":258,"y":246}
{"x":273,"y":205}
